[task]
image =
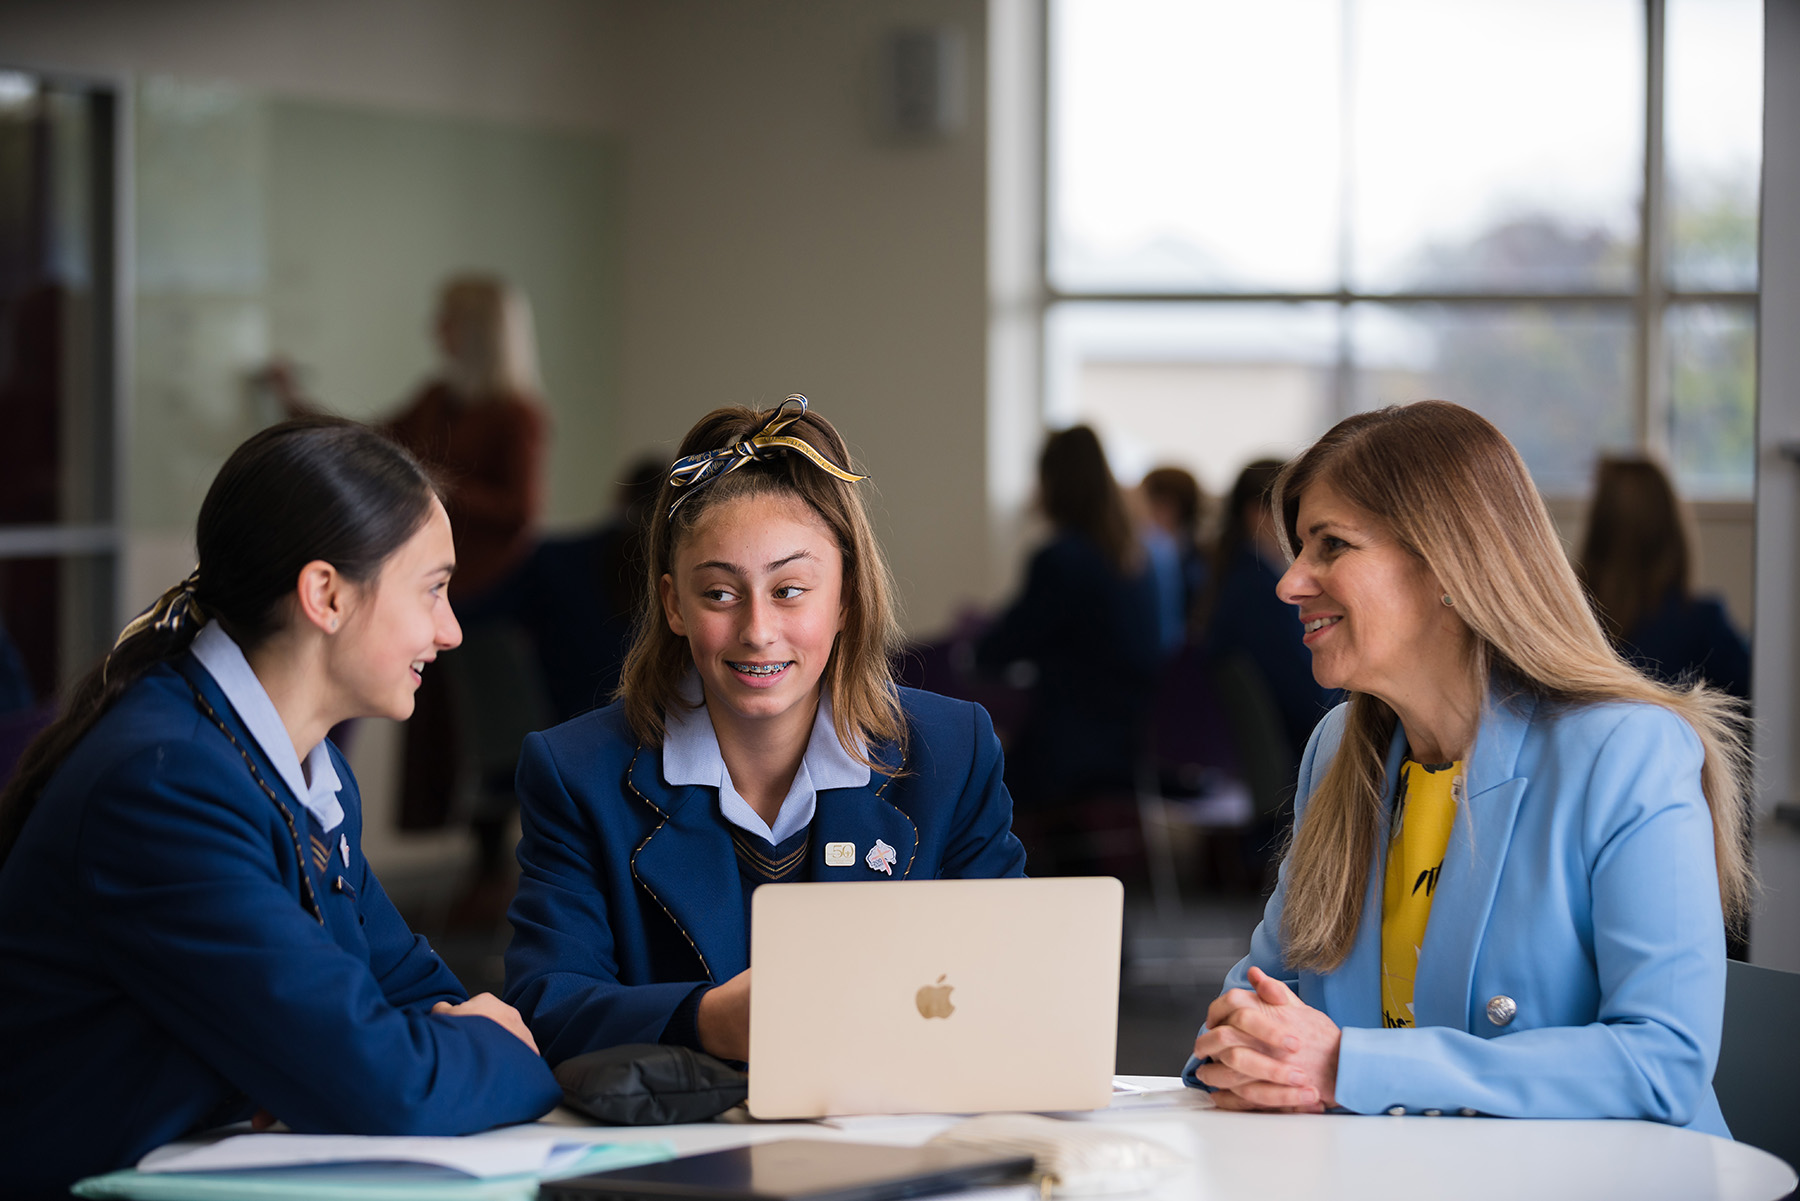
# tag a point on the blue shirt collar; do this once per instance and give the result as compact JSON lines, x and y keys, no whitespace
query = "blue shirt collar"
{"x":316,"y":784}
{"x":690,"y":755}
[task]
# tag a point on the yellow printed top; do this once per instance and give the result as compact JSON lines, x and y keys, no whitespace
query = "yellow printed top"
{"x":1424,"y":810}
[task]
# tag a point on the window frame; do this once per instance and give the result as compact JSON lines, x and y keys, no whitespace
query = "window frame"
{"x":97,"y":611}
{"x":1649,"y":304}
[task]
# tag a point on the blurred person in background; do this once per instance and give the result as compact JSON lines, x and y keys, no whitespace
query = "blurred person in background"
{"x":16,"y":693}
{"x":1087,"y":622}
{"x":1173,"y":506}
{"x":1244,"y":617}
{"x":1638,"y":568}
{"x":578,"y":597}
{"x":479,"y":425}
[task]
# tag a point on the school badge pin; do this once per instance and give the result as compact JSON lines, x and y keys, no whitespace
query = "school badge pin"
{"x":882,"y":858}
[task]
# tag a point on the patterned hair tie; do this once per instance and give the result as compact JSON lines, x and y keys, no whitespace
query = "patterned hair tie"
{"x":696,"y":471}
{"x":174,"y":610}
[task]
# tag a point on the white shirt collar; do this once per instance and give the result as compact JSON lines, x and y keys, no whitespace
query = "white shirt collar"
{"x":225,"y":663}
{"x":690,"y":755}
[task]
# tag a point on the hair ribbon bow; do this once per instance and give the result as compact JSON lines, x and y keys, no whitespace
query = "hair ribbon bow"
{"x":172,"y":610}
{"x":695,"y":471}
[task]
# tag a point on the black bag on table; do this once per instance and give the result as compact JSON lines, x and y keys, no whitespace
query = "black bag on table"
{"x":649,"y":1084}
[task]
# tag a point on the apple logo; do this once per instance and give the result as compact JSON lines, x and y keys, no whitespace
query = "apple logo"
{"x":934,"y":1000}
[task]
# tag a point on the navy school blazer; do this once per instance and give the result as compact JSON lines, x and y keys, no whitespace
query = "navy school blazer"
{"x":629,"y":890}
{"x":172,"y":959}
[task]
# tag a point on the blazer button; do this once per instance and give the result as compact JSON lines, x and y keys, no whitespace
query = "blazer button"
{"x":1502,"y":1009}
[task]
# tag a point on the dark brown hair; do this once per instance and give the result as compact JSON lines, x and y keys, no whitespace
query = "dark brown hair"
{"x":319,"y":488}
{"x":865,"y":702}
{"x":1635,"y":552}
{"x":1081,"y":495}
{"x":1249,"y":496}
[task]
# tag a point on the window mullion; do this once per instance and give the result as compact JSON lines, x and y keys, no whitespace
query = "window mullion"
{"x":1651,"y":397}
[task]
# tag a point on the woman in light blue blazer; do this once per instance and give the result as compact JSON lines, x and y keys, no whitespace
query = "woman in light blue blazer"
{"x":1514,"y":856}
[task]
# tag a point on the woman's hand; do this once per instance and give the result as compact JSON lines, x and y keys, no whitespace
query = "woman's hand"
{"x":1269,"y":1049}
{"x":723,"y":1021}
{"x":488,"y":1006}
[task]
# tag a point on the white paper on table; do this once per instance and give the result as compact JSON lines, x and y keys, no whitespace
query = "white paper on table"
{"x":885,"y":1127}
{"x":478,"y":1157}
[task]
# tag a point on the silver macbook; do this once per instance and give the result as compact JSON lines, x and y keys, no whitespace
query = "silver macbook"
{"x":933,"y":996}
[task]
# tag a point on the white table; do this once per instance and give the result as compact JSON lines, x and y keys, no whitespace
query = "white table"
{"x":1271,"y":1157}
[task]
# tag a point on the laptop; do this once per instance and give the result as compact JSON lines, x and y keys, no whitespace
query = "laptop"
{"x":934,"y":996}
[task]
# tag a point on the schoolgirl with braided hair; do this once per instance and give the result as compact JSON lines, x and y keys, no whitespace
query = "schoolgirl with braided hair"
{"x":757,"y":736}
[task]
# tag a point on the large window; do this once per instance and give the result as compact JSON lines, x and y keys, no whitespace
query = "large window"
{"x":1261,"y":217}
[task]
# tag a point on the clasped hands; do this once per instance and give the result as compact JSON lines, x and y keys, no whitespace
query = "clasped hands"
{"x":1269,"y":1050}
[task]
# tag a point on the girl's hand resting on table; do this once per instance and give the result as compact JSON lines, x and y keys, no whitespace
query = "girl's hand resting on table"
{"x":488,"y":1006}
{"x":1269,"y":1050}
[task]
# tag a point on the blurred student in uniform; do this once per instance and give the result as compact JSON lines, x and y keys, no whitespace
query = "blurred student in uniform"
{"x":578,"y":597}
{"x":1173,"y":507}
{"x":1086,"y":619}
{"x":1639,"y":571}
{"x":1244,"y":617}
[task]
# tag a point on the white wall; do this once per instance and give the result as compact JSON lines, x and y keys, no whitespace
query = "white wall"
{"x":774,"y":244}
{"x":549,"y":61}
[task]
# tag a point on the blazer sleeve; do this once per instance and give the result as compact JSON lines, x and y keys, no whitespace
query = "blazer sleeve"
{"x":181,"y":879}
{"x":983,"y":846}
{"x":562,"y":972}
{"x":1265,"y":940}
{"x":411,"y":975}
{"x":1658,"y":949}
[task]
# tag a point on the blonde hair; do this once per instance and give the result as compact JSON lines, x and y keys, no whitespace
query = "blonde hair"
{"x":1476,"y":520}
{"x":489,"y":338}
{"x":859,"y":675}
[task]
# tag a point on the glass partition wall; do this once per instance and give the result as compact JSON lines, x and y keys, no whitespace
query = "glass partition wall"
{"x":59,"y":335}
{"x":1263,"y":217}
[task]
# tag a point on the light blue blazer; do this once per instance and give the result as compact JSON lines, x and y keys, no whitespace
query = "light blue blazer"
{"x":1580,"y":882}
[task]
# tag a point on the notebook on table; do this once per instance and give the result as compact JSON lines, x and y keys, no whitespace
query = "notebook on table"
{"x":936,"y":996}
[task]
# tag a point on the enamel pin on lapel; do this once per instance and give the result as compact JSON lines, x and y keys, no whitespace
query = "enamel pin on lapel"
{"x":344,"y":848}
{"x":882,"y":858}
{"x":840,"y":854}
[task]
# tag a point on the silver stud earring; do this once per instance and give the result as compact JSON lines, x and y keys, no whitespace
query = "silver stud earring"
{"x":1449,"y":603}
{"x":334,"y":620}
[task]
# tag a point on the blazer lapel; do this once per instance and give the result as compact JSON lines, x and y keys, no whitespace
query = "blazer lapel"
{"x":1473,"y":861}
{"x":1353,"y":991}
{"x":201,"y":680}
{"x":257,"y":764}
{"x":689,"y":868}
{"x":867,"y":821}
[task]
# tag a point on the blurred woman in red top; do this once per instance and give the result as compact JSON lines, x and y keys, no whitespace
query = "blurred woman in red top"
{"x":479,"y":425}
